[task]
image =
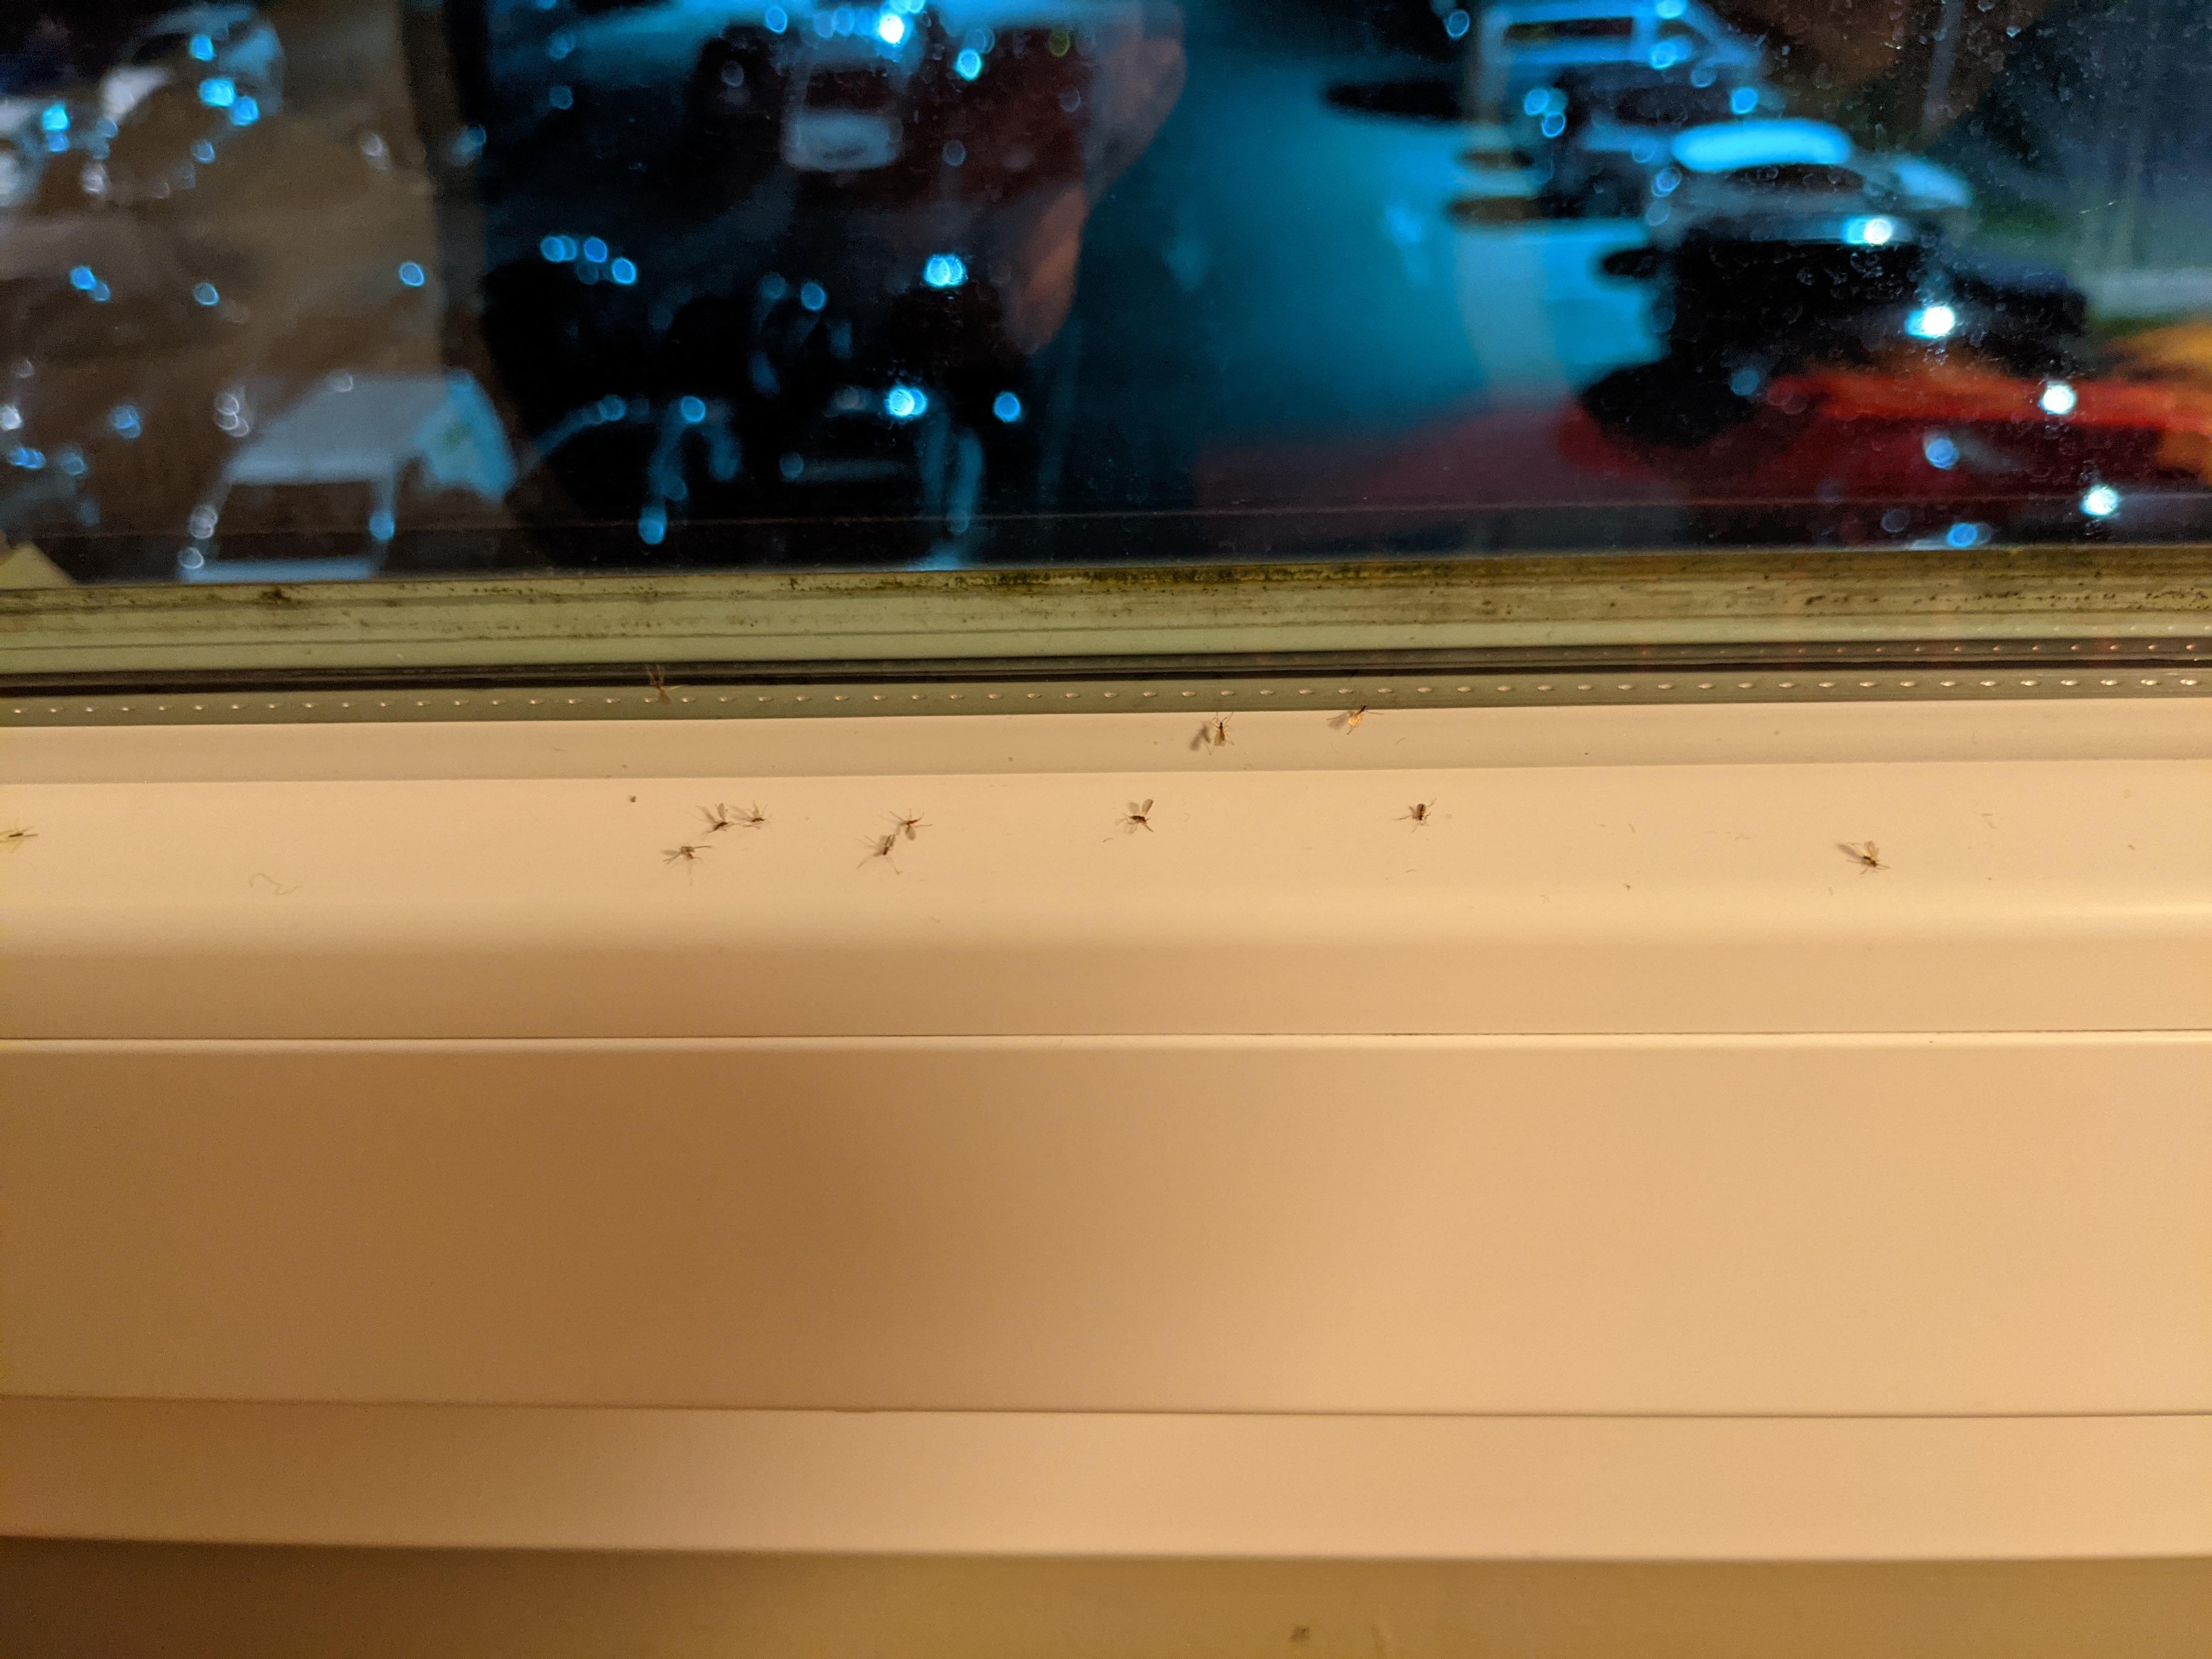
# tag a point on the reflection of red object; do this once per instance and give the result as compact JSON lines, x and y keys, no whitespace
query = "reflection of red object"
{"x":1281,"y":497}
{"x":1824,"y":442}
{"x":1870,"y":436}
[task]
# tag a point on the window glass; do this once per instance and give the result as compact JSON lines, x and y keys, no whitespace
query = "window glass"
{"x":388,"y":288}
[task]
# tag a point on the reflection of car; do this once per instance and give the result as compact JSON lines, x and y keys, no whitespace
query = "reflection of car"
{"x":847,"y":108}
{"x":1960,"y":453}
{"x":845,"y":117}
{"x":1525,"y":44}
{"x":1803,"y":181}
{"x":1599,"y":137}
{"x":222,"y":52}
{"x":1922,"y":450}
{"x":329,"y":479}
{"x":1748,"y":299}
{"x":215,"y":62}
{"x":1777,"y":243}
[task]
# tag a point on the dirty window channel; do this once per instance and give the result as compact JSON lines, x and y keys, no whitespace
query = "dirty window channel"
{"x":1833,"y":297}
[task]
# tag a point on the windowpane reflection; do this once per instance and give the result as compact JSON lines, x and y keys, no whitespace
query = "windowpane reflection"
{"x":347,"y":287}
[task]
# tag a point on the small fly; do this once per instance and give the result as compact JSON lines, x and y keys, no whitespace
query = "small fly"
{"x":907,"y":826}
{"x":1138,"y":816}
{"x":16,"y":837}
{"x":689,"y":853}
{"x":1421,"y":812}
{"x":657,"y":677}
{"x":1865,"y":853}
{"x":1349,"y":720}
{"x":1214,"y":734}
{"x":882,"y":847}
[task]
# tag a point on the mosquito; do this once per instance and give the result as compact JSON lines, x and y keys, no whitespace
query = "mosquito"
{"x":689,"y":853}
{"x":907,"y":826}
{"x":1421,"y":812}
{"x":1138,"y":816}
{"x":1214,"y":734}
{"x":881,"y":846}
{"x":1349,"y":720}
{"x":657,"y":677}
{"x":719,"y":818}
{"x":1865,"y":853}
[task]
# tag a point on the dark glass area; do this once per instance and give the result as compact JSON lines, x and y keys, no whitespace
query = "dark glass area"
{"x":330,"y":289}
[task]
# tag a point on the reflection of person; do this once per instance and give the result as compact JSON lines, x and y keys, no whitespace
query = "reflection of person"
{"x":1014,"y":159}
{"x":1133,"y":89}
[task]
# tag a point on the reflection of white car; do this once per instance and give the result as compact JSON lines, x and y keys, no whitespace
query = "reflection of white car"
{"x":225,"y":52}
{"x":1524,"y":44}
{"x":1597,"y":140}
{"x":1804,"y":180}
{"x":227,"y":56}
{"x":849,"y":98}
{"x":322,"y":487}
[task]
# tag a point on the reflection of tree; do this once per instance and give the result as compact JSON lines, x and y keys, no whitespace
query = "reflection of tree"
{"x":2115,"y":243}
{"x":2017,"y":125}
{"x":1852,"y":42}
{"x":2068,"y":103}
{"x":1904,"y":64}
{"x":468,"y":51}
{"x":2094,"y":117}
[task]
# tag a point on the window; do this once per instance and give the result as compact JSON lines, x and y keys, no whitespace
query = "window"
{"x":677,"y":291}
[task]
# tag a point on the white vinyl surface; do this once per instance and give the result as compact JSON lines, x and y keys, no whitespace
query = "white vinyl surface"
{"x":1769,"y":1226}
{"x":1615,"y":1127}
{"x":1132,"y":1485}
